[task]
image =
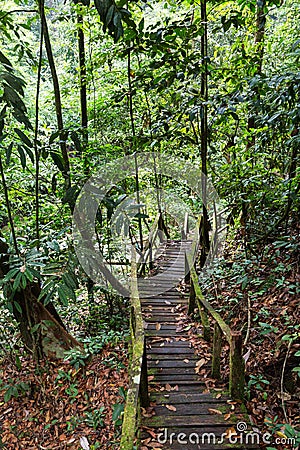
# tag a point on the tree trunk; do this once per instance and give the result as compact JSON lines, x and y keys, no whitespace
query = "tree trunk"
{"x":58,"y":107}
{"x":204,"y":135}
{"x":251,"y":125}
{"x":42,"y":330}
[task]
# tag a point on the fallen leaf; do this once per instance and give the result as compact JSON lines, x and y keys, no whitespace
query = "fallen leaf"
{"x":171,"y":407}
{"x":158,"y":326}
{"x":199,"y":364}
{"x":230,"y":432}
{"x":215,"y":411}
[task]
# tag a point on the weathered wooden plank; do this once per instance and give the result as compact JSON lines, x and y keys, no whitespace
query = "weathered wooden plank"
{"x":173,"y":371}
{"x":186,"y":421}
{"x":171,"y":363}
{"x":161,"y":301}
{"x":171,"y":351}
{"x":165,"y":357}
{"x":164,"y":326}
{"x":163,"y":333}
{"x":178,"y":340}
{"x":160,"y":319}
{"x":190,"y":409}
{"x":191,"y":383}
{"x":181,"y":388}
{"x":185,"y":398}
{"x":175,"y":378}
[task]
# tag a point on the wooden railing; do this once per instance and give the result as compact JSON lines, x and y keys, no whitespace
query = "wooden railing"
{"x":137,"y":393}
{"x":234,"y":338}
{"x":156,"y":233}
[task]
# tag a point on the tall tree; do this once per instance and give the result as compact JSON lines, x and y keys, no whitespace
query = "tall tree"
{"x":82,"y":67}
{"x":58,"y":105}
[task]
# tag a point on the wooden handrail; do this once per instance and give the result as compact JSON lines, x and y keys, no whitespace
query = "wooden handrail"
{"x":185,"y":229}
{"x":137,"y":392}
{"x":149,"y":243}
{"x":234,"y":338}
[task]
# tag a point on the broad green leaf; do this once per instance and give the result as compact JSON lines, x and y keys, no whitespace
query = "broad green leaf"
{"x":17,"y":280}
{"x":62,"y":295}
{"x":8,"y":152}
{"x":58,"y":161}
{"x":23,"y":137}
{"x":5,"y":61}
{"x":18,"y":307}
{"x":22,"y":156}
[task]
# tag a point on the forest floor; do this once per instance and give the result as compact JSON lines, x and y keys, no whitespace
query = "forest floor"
{"x":52,"y":405}
{"x":260,"y":295}
{"x":57,"y":405}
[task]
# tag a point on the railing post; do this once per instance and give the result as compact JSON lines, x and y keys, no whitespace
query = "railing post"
{"x":187,"y":270}
{"x":205,"y":324}
{"x":216,"y":356}
{"x":144,"y":389}
{"x":237,"y":367}
{"x":150,"y":256}
{"x":192,"y":298}
{"x":185,"y":229}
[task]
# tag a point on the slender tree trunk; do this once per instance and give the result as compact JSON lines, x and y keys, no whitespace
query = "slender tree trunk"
{"x":204,"y":133}
{"x":82,"y":71}
{"x":58,"y":106}
{"x":259,"y":49}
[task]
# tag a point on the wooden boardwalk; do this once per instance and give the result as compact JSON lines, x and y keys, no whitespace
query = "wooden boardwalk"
{"x":186,"y":415}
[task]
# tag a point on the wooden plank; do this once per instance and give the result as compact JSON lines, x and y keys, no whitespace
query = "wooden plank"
{"x":175,"y":378}
{"x":186,"y":421}
{"x":164,"y":326}
{"x":178,"y":340}
{"x":171,"y":364}
{"x":161,"y":301}
{"x":166,"y":356}
{"x":159,"y":319}
{"x":162,"y":333}
{"x":182,"y":388}
{"x":175,"y":370}
{"x":185,"y":398}
{"x":190,"y":409}
{"x":190,"y":383}
{"x":182,"y":351}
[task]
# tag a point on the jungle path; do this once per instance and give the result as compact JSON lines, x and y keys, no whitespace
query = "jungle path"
{"x":183,"y":413}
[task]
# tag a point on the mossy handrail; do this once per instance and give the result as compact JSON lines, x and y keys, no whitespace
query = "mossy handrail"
{"x":234,"y":338}
{"x":137,"y":393}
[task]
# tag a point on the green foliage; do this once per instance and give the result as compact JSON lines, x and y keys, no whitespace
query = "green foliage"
{"x":284,"y":430}
{"x":14,"y":389}
{"x":94,"y":346}
{"x":117,"y":413}
{"x":95,"y":419}
{"x":259,"y":383}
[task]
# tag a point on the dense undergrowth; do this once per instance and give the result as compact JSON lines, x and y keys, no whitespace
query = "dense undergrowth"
{"x":257,"y":291}
{"x":73,"y":403}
